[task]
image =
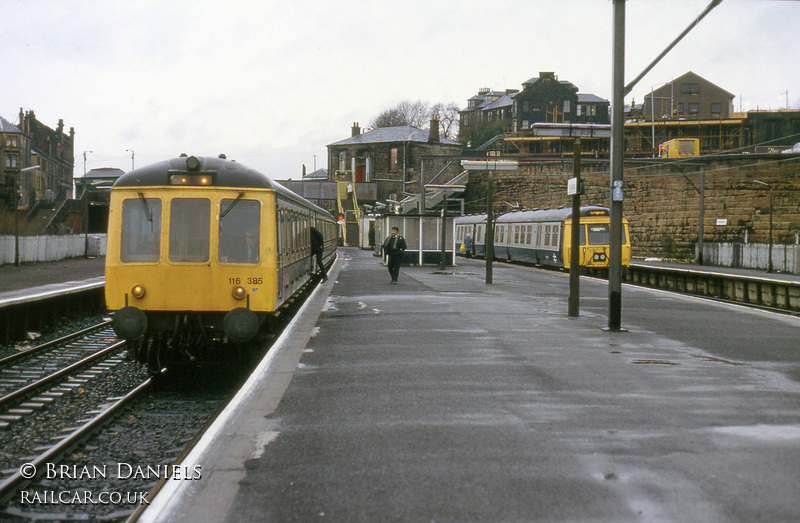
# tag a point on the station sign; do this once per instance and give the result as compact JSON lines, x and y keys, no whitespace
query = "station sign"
{"x":573,"y":187}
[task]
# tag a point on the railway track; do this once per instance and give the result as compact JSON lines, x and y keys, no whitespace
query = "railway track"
{"x":78,"y":402}
{"x":768,"y":291}
{"x":775,"y":292}
{"x":28,"y":470}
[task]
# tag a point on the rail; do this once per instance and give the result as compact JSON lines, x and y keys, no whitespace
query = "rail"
{"x":772,"y":293}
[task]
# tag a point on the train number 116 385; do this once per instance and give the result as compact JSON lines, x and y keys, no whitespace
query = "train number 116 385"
{"x":250,"y":281}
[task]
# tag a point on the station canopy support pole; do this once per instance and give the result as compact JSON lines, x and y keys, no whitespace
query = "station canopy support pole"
{"x":619,"y":90}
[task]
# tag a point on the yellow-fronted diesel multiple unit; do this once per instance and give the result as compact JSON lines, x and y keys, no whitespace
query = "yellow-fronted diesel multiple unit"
{"x":200,"y":252}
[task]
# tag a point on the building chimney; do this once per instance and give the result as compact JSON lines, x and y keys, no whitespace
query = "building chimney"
{"x":433,"y":134}
{"x":356,"y":129}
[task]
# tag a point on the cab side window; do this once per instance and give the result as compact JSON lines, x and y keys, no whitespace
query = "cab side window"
{"x":239,"y":234}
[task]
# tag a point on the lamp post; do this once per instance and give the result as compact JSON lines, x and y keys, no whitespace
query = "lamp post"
{"x":84,"y":161}
{"x":445,"y":189}
{"x":574,"y":189}
{"x":489,"y":166}
{"x":132,"y":153}
{"x":573,"y":306}
{"x":769,"y":254}
{"x":16,"y":212}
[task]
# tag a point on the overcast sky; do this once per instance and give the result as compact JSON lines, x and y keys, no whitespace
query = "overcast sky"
{"x":271,"y":83}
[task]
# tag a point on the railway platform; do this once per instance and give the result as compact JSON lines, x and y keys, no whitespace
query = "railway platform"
{"x":446,"y":399}
{"x":33,"y":297}
{"x":31,"y":275}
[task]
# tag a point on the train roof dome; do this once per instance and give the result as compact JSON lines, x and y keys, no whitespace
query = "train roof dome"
{"x":227,"y":173}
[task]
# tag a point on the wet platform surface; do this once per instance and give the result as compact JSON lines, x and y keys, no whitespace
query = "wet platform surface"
{"x":446,"y":399}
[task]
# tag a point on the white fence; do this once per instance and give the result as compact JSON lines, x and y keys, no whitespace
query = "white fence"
{"x":51,"y":248}
{"x":785,"y":258}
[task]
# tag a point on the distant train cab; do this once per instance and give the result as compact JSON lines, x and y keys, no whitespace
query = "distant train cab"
{"x":542,"y":237}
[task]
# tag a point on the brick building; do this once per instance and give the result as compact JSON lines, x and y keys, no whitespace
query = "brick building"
{"x":394,"y":158}
{"x":688,"y":97}
{"x":543,"y":98}
{"x":30,"y":143}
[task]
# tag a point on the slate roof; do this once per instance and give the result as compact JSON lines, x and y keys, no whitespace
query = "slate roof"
{"x":587,"y":97}
{"x":504,"y":101}
{"x":401,"y":133}
{"x":7,"y":127}
{"x":319,"y":174}
{"x":105,"y":172}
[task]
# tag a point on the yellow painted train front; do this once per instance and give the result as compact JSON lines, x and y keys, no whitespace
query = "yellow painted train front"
{"x":200,"y":252}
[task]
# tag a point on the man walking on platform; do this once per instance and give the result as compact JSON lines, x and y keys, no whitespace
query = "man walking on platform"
{"x":394,"y":247}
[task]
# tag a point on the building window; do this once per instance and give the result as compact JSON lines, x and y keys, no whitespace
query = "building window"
{"x":694,"y":108}
{"x":342,"y":160}
{"x":393,"y":159}
{"x":578,"y":110}
{"x":716,"y":108}
{"x":566,"y":106}
{"x":679,"y":108}
{"x":11,"y":141}
{"x":11,"y":160}
{"x":690,"y":88}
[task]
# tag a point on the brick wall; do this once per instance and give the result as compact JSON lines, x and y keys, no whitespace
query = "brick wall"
{"x":662,"y":201}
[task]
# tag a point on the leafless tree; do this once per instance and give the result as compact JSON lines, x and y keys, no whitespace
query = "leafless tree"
{"x":448,"y":119}
{"x":418,"y":114}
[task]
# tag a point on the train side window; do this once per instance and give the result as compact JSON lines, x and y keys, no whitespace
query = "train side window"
{"x":516,"y":234}
{"x":530,"y":229}
{"x":547,"y":235}
{"x":189,"y":229}
{"x":141,"y":230}
{"x":239,"y":231}
{"x":554,"y":237}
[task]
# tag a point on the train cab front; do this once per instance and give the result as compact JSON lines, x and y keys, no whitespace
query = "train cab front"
{"x":596,"y":257}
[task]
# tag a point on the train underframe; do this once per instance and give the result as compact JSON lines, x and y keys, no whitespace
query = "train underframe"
{"x":175,"y":340}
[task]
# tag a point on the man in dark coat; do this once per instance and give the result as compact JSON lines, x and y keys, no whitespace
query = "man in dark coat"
{"x":394,"y":247}
{"x":317,"y":248}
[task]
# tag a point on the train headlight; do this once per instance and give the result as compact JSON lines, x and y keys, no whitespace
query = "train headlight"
{"x":193,"y":163}
{"x":137,"y":291}
{"x":239,"y":293}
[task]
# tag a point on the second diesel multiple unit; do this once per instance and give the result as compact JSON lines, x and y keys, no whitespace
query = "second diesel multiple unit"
{"x":542,"y":237}
{"x":200,"y":252}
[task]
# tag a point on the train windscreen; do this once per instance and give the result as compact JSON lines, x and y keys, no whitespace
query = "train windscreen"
{"x":141,"y":230}
{"x":189,"y":229}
